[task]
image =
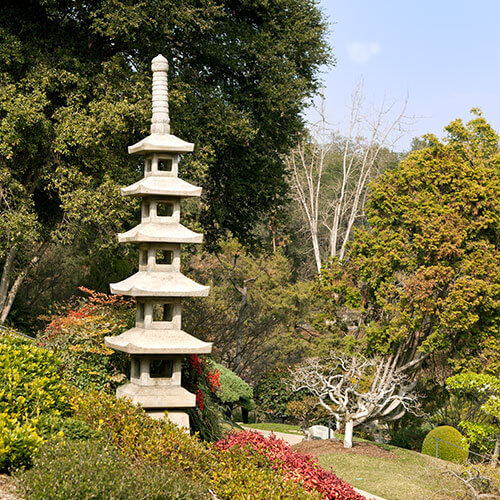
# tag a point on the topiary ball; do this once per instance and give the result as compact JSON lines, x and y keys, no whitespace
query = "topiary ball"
{"x":451,"y":444}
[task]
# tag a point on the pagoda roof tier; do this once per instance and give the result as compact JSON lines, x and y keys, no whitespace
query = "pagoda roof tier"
{"x":160,"y":232}
{"x":156,"y":185}
{"x":157,"y":396}
{"x":159,"y":284}
{"x":161,"y":143}
{"x":149,"y":341}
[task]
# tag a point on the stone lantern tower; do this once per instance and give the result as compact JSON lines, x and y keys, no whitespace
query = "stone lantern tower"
{"x":157,"y":343}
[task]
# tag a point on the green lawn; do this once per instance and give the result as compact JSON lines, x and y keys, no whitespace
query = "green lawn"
{"x":412,"y":476}
{"x":292,"y":429}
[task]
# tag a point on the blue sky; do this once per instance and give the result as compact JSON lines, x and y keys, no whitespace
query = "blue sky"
{"x":443,"y":54}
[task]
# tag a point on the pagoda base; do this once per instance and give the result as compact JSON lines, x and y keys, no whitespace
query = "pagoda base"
{"x":155,"y":397}
{"x":179,"y":418}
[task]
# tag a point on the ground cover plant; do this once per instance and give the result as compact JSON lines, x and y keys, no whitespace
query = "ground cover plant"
{"x":96,"y":469}
{"x":293,"y":465}
{"x":229,"y":473}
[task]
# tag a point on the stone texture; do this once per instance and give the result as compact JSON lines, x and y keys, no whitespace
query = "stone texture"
{"x":159,"y":284}
{"x":157,"y":344}
{"x":161,"y":143}
{"x":161,"y":186}
{"x":159,"y":232}
{"x":152,"y":341}
{"x":319,"y":432}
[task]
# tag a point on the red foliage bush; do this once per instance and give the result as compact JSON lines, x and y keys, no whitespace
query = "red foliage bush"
{"x":294,"y":466}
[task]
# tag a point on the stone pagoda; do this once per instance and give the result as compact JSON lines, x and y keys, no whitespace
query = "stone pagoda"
{"x":157,"y":343}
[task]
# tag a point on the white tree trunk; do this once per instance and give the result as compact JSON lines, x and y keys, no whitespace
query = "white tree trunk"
{"x":8,"y":296}
{"x":349,"y":427}
{"x":6,"y":276}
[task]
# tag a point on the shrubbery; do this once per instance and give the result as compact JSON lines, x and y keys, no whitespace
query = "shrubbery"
{"x":231,"y":474}
{"x":109,"y":448}
{"x":70,"y":428}
{"x":30,"y":379}
{"x":18,"y":442}
{"x":452,"y":445}
{"x":307,"y":411}
{"x":200,"y":378}
{"x":233,"y":390}
{"x":409,"y":437}
{"x":293,"y":465}
{"x":272,"y":394}
{"x":249,"y":474}
{"x":30,"y":388}
{"x":139,"y":436}
{"x":76,"y":331}
{"x":95,"y":469}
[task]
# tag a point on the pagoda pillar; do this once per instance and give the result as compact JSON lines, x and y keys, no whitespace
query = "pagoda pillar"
{"x":157,"y":344}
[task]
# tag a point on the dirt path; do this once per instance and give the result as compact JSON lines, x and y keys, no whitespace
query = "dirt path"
{"x":8,"y":490}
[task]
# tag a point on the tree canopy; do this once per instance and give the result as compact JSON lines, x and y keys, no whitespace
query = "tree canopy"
{"x":75,"y":91}
{"x":426,"y":274}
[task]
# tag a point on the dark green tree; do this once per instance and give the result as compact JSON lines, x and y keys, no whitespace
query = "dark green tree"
{"x":254,"y":309}
{"x":75,"y":91}
{"x":426,"y":275}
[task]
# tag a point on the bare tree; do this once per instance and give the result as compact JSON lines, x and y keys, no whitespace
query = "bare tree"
{"x":356,"y":390}
{"x":359,"y":154}
{"x":481,"y":481}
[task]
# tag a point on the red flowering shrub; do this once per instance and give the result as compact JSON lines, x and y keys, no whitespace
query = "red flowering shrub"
{"x":195,"y":362}
{"x":293,"y":465}
{"x":199,"y":377}
{"x":75,"y":331}
{"x":199,"y":399}
{"x":213,"y":380}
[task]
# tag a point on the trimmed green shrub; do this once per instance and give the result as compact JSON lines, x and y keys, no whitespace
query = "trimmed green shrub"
{"x":95,"y":469}
{"x":137,"y":435}
{"x":452,"y":445}
{"x":18,"y":442}
{"x":30,"y":379}
{"x":233,"y":390}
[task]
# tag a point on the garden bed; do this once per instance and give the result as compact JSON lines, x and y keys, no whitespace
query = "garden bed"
{"x":324,"y":446}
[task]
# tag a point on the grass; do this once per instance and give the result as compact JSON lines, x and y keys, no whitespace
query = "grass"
{"x":412,"y":476}
{"x":266,"y":426}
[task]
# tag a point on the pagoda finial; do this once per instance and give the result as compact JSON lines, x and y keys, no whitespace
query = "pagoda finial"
{"x":160,"y":121}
